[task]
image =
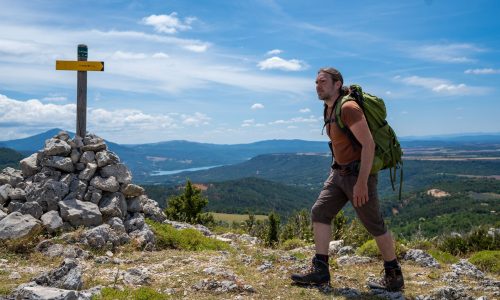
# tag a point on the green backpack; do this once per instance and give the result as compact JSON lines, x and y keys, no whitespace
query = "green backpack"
{"x":388,"y":153}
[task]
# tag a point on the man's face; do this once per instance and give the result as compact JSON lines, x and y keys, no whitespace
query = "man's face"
{"x":325,"y":86}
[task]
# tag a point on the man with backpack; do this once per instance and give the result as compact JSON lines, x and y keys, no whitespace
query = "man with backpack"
{"x":351,"y":179}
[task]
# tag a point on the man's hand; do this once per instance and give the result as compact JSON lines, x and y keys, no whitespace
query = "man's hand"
{"x":360,"y":194}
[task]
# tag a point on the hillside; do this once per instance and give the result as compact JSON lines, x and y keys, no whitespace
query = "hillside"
{"x":9,"y":158}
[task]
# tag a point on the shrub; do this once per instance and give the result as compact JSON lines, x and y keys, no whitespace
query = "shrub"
{"x":272,"y":233}
{"x":298,"y":226}
{"x":487,"y":260}
{"x":356,"y":235}
{"x":477,"y":239}
{"x":339,"y":226}
{"x":455,"y":245}
{"x":187,"y":207}
{"x":292,"y":244}
{"x":370,"y":249}
{"x":443,"y":257}
{"x":167,"y":237}
{"x":142,"y":293}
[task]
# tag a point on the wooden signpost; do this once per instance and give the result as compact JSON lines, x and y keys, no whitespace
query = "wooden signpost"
{"x":82,"y":66}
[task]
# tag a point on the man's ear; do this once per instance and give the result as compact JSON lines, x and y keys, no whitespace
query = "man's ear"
{"x":337,"y":85}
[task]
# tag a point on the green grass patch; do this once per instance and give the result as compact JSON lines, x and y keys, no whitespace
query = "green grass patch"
{"x":235,"y":217}
{"x":299,"y":255}
{"x":443,"y":257}
{"x":143,"y":293}
{"x":487,"y":260}
{"x":293,"y":244}
{"x":370,"y":249}
{"x":167,"y":237}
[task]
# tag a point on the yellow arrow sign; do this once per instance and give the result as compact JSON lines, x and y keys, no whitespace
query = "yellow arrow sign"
{"x":70,"y":65}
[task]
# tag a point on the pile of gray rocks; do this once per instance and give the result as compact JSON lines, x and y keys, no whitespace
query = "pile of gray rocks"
{"x":74,"y":183}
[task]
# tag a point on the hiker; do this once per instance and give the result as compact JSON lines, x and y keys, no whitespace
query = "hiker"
{"x":349,"y":180}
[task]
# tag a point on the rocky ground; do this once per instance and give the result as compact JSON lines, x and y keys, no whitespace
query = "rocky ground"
{"x":247,"y":271}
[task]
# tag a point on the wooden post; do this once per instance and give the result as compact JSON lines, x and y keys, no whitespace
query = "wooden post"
{"x":81,"y":94}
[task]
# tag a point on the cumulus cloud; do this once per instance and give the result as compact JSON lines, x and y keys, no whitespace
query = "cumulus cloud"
{"x":274,"y":52}
{"x":248,"y":123}
{"x":441,"y":86}
{"x":121,"y":55}
{"x":196,"y":120}
{"x":452,"y":53}
{"x":8,"y":46}
{"x":257,"y":106}
{"x":199,"y":47}
{"x":482,"y":71}
{"x":168,"y":23}
{"x":305,"y":110}
{"x":55,"y":98}
{"x":35,"y":114}
{"x":279,"y":63}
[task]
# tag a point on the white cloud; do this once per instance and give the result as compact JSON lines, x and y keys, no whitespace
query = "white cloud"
{"x":305,"y":110}
{"x":8,"y":46}
{"x":257,"y":106}
{"x":196,"y":120}
{"x":248,"y":123}
{"x":199,"y":48}
{"x":441,"y":86}
{"x":310,"y":119}
{"x":482,"y":71}
{"x":279,"y":63}
{"x":452,"y":53}
{"x":274,"y":52}
{"x":33,"y":114}
{"x":120,"y":55}
{"x":168,"y":23}
{"x":160,"y":55}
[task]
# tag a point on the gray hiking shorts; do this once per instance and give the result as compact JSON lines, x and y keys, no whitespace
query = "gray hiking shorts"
{"x":337,"y":190}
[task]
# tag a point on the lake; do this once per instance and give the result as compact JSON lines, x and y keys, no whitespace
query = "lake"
{"x":171,"y":172}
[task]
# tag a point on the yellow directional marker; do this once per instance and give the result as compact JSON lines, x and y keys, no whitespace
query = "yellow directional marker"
{"x":70,"y":65}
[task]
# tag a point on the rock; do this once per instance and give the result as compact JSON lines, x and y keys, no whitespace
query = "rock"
{"x":58,"y":162}
{"x":95,"y":147}
{"x":135,"y":204}
{"x":265,"y":266}
{"x":2,"y":214}
{"x":135,"y":222}
{"x":348,"y":292}
{"x":106,"y":184}
{"x":44,"y":293}
{"x":335,"y":246}
{"x":17,"y":225}
{"x":145,"y":238}
{"x":75,"y":156}
{"x":93,"y":195}
{"x":152,"y":210}
{"x":5,"y":191}
{"x":226,"y":274}
{"x":88,"y":172}
{"x":421,"y":258}
{"x":52,"y":221}
{"x":79,"y":213}
{"x":17,"y":194}
{"x":353,"y":260}
{"x":136,"y":276}
{"x":32,"y":208}
{"x":98,"y":237}
{"x":67,"y":276}
{"x":87,"y":157}
{"x":105,"y":158}
{"x":117,"y":225}
{"x":463,"y":267}
{"x":14,"y":206}
{"x":78,"y":188}
{"x":45,"y":174}
{"x":132,"y":190}
{"x":48,"y":194}
{"x":63,"y":135}
{"x":30,"y":165}
{"x":56,"y":147}
{"x":449,"y":293}
{"x":200,"y":228}
{"x":10,"y":176}
{"x":119,"y":171}
{"x":15,"y":275}
{"x":113,"y":205}
{"x":346,"y":250}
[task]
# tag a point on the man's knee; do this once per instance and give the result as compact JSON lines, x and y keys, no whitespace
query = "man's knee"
{"x":320,"y":215}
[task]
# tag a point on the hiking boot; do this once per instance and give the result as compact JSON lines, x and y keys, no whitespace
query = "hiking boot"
{"x":392,"y":281}
{"x":318,"y":274}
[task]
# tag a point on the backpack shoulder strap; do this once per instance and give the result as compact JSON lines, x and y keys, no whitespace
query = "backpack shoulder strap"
{"x":338,"y":120}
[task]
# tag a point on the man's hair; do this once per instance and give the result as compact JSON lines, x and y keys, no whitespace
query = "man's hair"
{"x":334,"y":74}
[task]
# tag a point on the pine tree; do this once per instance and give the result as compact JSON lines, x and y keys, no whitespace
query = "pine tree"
{"x":186,"y":207}
{"x":274,"y":224}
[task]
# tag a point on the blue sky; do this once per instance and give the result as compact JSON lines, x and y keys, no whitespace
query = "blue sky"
{"x":242,"y":71}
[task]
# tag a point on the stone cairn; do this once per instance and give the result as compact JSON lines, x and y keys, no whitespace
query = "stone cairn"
{"x":74,"y":183}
